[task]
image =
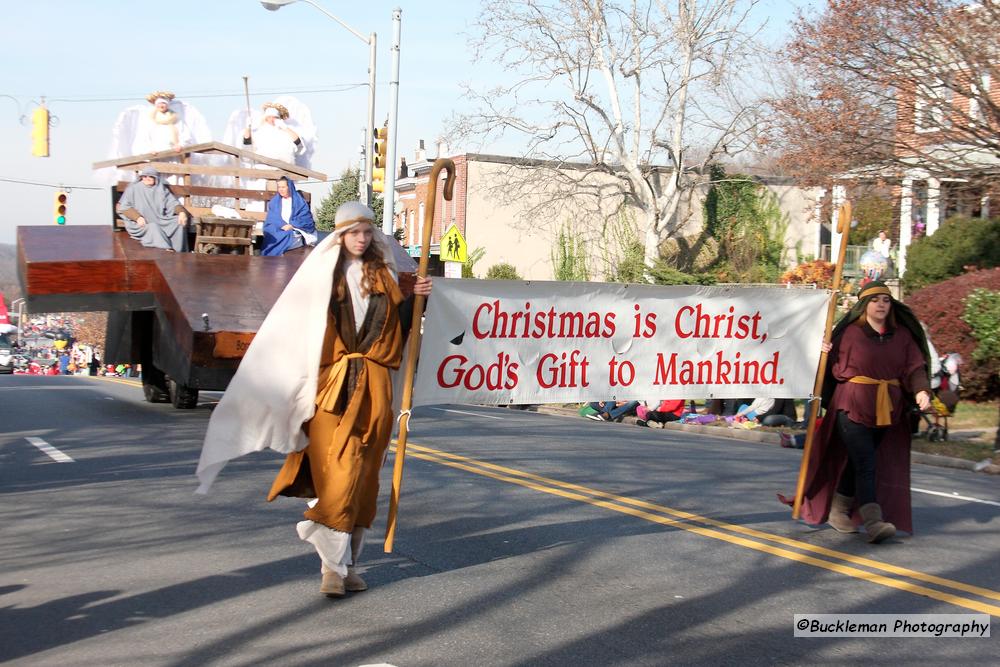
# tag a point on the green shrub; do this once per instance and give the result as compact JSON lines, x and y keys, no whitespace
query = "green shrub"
{"x":470,"y":263}
{"x":569,"y":256}
{"x":958,"y":243}
{"x":982,"y":314}
{"x":623,"y":252}
{"x":746,"y":220}
{"x":664,"y":274}
{"x":502,"y":271}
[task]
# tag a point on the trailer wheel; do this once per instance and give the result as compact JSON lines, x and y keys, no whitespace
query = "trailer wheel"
{"x":182,"y":396}
{"x":154,"y":385}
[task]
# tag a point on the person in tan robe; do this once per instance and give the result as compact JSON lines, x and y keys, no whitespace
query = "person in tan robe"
{"x":351,"y":428}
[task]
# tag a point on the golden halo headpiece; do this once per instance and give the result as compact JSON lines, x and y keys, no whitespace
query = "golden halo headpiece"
{"x":156,"y":94}
{"x":280,"y":108}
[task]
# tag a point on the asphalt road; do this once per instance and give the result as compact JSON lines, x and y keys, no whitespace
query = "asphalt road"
{"x":524,"y":539}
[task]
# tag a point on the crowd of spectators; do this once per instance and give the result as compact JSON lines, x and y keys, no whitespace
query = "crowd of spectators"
{"x":736,"y":413}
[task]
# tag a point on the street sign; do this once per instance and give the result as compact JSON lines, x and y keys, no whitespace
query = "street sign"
{"x":453,"y":246}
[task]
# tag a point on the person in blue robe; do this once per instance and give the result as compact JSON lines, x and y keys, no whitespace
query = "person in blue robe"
{"x":289,"y":223}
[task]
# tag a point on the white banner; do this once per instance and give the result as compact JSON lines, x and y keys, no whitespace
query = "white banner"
{"x":497,"y":342}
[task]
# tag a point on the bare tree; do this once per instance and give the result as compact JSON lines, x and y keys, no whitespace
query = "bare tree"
{"x":620,"y":102}
{"x":882,"y":86}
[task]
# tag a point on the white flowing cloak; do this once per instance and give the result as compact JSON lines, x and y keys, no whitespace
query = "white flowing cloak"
{"x":274,"y":390}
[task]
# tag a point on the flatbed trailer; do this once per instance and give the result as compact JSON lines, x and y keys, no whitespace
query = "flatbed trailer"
{"x":187,"y":318}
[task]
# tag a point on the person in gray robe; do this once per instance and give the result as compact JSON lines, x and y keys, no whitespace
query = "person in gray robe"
{"x":153,"y":216}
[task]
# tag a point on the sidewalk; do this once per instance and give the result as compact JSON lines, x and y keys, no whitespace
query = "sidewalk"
{"x":769,"y":436}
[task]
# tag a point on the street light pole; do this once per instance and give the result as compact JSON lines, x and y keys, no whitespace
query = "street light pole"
{"x":275,"y":5}
{"x":389,"y":195}
{"x":370,"y":144}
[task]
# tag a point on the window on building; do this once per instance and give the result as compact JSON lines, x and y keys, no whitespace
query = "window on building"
{"x":933,"y":105}
{"x":420,"y":225}
{"x":977,"y":92}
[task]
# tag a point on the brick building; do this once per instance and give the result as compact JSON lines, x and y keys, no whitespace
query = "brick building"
{"x":947,"y":119}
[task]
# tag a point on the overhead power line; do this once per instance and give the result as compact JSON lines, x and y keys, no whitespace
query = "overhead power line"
{"x":336,"y":89}
{"x":63,"y":186}
{"x":51,"y":185}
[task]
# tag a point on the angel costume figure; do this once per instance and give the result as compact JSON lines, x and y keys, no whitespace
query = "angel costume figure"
{"x":282,"y":130}
{"x":325,"y":401}
{"x":274,"y":138}
{"x":165,"y":124}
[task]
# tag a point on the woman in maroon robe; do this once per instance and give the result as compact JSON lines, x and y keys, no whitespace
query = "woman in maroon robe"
{"x":859,"y":471}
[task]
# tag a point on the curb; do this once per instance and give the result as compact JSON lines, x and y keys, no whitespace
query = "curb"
{"x":774,"y":438}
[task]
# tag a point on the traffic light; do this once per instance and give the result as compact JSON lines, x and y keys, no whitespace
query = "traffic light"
{"x":59,"y":208}
{"x":379,"y":159}
{"x":40,"y":132}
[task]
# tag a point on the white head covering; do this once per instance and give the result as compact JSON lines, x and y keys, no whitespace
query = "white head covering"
{"x":353,"y":213}
{"x":271,"y":111}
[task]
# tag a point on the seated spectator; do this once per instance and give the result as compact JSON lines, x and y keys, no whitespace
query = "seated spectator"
{"x":758,"y":406}
{"x":782,"y":413}
{"x":724,"y":407}
{"x":882,"y":244}
{"x":666,"y":411}
{"x":289,"y":222}
{"x":798,"y":440}
{"x":153,"y":216}
{"x":608,"y":411}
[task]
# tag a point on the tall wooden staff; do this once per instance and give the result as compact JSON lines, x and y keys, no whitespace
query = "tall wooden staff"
{"x":246,"y":94}
{"x":414,"y":342}
{"x":843,"y":227}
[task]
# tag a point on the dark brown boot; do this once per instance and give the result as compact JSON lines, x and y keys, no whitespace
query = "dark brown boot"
{"x":840,"y":514}
{"x":877,"y":529}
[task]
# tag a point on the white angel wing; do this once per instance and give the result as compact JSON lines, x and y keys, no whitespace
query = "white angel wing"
{"x":301,"y":121}
{"x":193,"y":126}
{"x":233,"y":134}
{"x":124,"y":133}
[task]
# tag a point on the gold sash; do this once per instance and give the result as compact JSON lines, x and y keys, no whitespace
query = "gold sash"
{"x":883,"y":404}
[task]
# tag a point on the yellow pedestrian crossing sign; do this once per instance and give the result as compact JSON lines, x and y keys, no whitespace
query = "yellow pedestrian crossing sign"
{"x":453,"y":246}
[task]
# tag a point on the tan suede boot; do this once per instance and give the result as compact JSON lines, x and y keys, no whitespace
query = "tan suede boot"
{"x":877,"y":529}
{"x":333,"y":585}
{"x":353,"y":582}
{"x":840,"y":514}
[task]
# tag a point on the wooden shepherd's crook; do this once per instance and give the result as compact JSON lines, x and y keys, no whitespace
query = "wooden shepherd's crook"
{"x":414,"y":342}
{"x":844,"y":228}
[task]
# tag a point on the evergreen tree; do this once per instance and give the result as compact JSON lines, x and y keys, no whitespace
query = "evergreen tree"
{"x":344,"y":189}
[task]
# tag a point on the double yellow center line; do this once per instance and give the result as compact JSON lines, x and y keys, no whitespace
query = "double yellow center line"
{"x":876,"y":572}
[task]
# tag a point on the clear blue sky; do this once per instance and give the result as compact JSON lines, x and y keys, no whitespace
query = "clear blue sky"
{"x":93,"y":58}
